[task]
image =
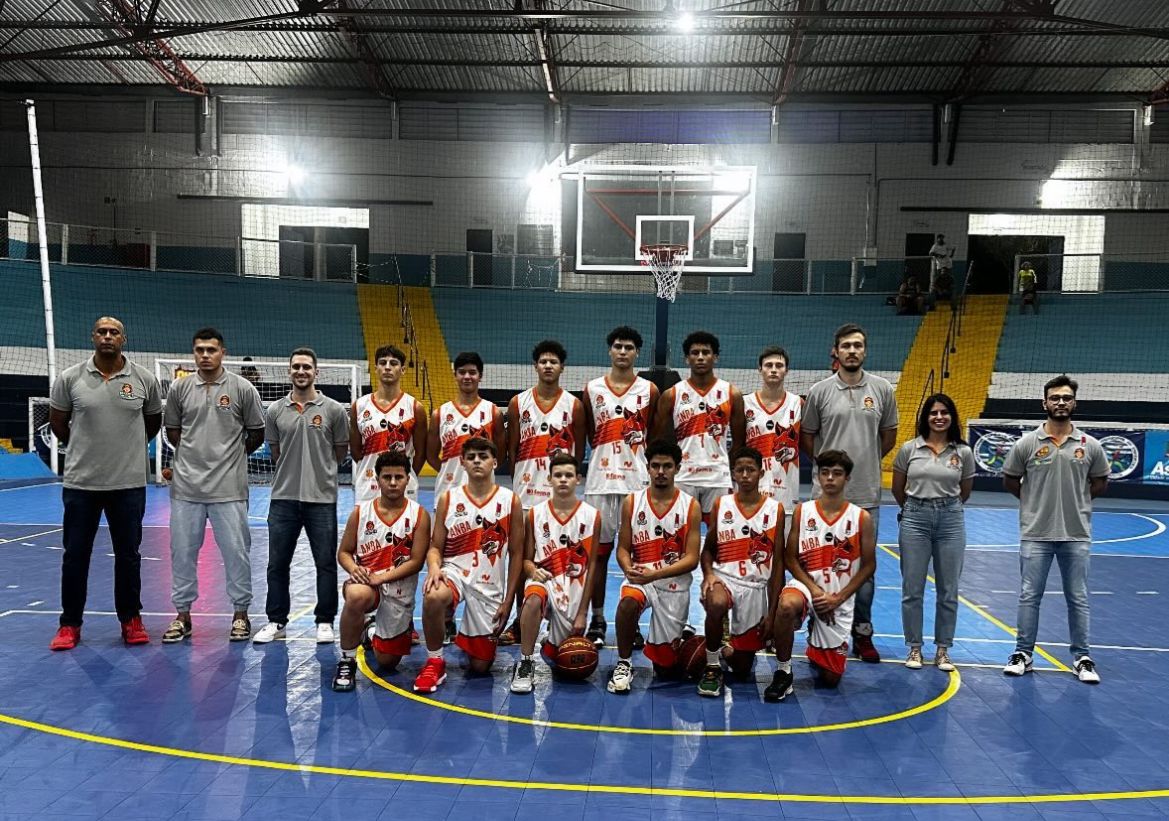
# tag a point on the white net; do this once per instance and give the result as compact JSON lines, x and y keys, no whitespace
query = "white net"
{"x":339,"y":381}
{"x":666,"y":263}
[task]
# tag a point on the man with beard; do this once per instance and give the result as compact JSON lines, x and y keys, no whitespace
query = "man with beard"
{"x":856,"y":412}
{"x":1055,"y":470}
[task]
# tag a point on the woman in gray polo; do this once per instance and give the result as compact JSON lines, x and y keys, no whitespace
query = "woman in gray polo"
{"x":932,"y":478}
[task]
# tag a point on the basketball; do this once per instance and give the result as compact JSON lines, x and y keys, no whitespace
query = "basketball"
{"x":167,"y":474}
{"x":692,"y":656}
{"x":576,"y":657}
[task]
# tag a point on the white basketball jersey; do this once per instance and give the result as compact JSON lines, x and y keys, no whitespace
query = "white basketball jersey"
{"x":659,"y":541}
{"x":564,"y":548}
{"x":477,"y":537}
{"x":830,"y":552}
{"x":775,"y":433}
{"x":747,"y":544}
{"x":617,"y":464}
{"x":702,"y":426}
{"x":455,"y":428}
{"x":382,"y":429}
{"x":543,"y":432}
{"x":384,"y":544}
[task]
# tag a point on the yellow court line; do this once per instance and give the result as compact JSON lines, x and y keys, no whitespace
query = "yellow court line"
{"x":1039,"y":651}
{"x":955,"y":681}
{"x":550,"y":786}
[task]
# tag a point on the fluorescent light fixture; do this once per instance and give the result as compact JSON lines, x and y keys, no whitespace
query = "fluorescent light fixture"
{"x":685,"y":22}
{"x":293,"y":174}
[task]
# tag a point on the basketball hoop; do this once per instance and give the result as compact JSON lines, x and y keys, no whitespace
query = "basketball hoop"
{"x":665,"y":261}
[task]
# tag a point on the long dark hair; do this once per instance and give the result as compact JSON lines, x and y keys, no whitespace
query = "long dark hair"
{"x":954,"y":434}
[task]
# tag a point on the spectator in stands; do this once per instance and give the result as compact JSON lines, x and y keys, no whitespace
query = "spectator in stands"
{"x":250,"y":372}
{"x":1055,"y":470}
{"x":941,"y":260}
{"x":1028,"y":288}
{"x":910,"y":299}
{"x":105,"y":409}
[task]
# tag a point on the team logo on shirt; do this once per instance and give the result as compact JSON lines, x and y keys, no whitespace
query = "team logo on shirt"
{"x":317,"y":420}
{"x":641,"y":517}
{"x":224,"y":400}
{"x":955,"y":462}
{"x":1078,"y":453}
{"x":369,"y":528}
{"x":1043,"y":452}
{"x":869,"y":403}
{"x":128,"y":391}
{"x":600,"y":400}
{"x":460,"y":509}
{"x":810,"y":526}
{"x":547,"y":531}
{"x":365,"y":414}
{"x":671,"y":548}
{"x":728,"y":516}
{"x":750,"y":415}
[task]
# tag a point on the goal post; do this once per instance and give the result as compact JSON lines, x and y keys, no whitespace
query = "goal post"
{"x":337,"y":381}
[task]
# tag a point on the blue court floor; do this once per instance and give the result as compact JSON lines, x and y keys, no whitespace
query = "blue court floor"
{"x":212,"y":730}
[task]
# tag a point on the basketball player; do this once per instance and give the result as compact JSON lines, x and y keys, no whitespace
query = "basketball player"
{"x":701,"y":413}
{"x":560,"y":558}
{"x":457,"y":421}
{"x":475,"y":556}
{"x":657,"y":548}
{"x":772,"y":417}
{"x":382,"y":549}
{"x":738,"y":561}
{"x":541,"y":421}
{"x":386,"y":419}
{"x":854,"y":411}
{"x":619,"y":410}
{"x":831,"y":552}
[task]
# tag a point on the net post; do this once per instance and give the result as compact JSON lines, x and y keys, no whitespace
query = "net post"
{"x":34,"y":147}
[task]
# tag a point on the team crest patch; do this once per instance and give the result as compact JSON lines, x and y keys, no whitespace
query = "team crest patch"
{"x":224,"y":400}
{"x":600,"y":400}
{"x":369,"y":528}
{"x":128,"y":391}
{"x":728,"y":516}
{"x":869,"y":403}
{"x":1043,"y":452}
{"x":750,"y":415}
{"x":317,"y":420}
{"x":1079,"y":453}
{"x":365,"y":414}
{"x":641,"y":517}
{"x":460,"y":509}
{"x":547,"y":531}
{"x":955,"y":462}
{"x":811,"y":525}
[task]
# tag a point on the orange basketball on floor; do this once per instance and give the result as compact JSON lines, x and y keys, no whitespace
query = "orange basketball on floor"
{"x":692,"y":656}
{"x":167,"y":474}
{"x":576,"y":657}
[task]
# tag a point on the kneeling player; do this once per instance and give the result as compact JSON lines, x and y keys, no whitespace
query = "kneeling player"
{"x":657,"y":548}
{"x":382,"y":550}
{"x":737,"y":564}
{"x":475,"y":557}
{"x":830,"y":552}
{"x":560,"y":549}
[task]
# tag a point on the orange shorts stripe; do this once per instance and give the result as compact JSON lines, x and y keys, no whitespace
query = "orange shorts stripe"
{"x":832,"y":660}
{"x":397,"y":646}
{"x":477,"y":647}
{"x":536,"y":590}
{"x":663,"y":655}
{"x":633,"y":593}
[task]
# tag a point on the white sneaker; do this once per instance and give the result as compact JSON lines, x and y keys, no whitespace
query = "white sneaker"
{"x":622,"y":679}
{"x":913,"y":660}
{"x":1086,"y":670}
{"x":1017,"y":664}
{"x":269,"y":632}
{"x":523,"y":676}
{"x":324,"y":633}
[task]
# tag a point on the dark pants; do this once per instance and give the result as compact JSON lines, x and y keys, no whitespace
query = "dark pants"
{"x":319,"y":521}
{"x":83,"y":509}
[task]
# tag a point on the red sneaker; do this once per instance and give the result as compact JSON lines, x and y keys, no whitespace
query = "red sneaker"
{"x":414,"y":640}
{"x":863,"y":649}
{"x":133,"y":632}
{"x":66,"y":639}
{"x":433,"y":673}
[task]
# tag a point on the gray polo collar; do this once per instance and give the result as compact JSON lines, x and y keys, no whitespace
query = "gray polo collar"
{"x":1072,"y":434}
{"x":841,"y":385}
{"x":123,"y":371}
{"x":319,"y":400}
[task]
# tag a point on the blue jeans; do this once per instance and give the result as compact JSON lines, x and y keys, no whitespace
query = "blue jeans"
{"x":83,"y":509}
{"x":863,"y":600}
{"x":188,"y":529}
{"x":1034,"y":565}
{"x":286,"y":517}
{"x":931,"y":529}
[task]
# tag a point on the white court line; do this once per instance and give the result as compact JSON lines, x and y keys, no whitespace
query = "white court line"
{"x":1158,"y":529}
{"x":31,"y":535}
{"x":27,"y":487}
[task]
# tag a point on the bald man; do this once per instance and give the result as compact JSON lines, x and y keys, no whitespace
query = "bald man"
{"x":104,"y":410}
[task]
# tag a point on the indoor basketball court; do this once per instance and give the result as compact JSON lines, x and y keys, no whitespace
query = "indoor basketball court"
{"x":982,"y":187}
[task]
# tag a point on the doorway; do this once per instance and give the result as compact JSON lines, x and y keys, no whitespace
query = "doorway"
{"x":480,"y":245}
{"x":788,"y":263}
{"x":993,"y":259}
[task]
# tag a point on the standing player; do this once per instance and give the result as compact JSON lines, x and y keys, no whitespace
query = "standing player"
{"x":856,"y":412}
{"x":214,"y":419}
{"x":308,"y":434}
{"x":560,"y":559}
{"x":830,"y":553}
{"x":701,"y":413}
{"x":475,"y":556}
{"x":386,"y":419}
{"x":541,"y":421}
{"x":382,"y":549}
{"x":105,"y":410}
{"x":657,"y":548}
{"x":773,"y":428}
{"x":468,"y":415}
{"x":738,"y":561}
{"x":619,"y":410}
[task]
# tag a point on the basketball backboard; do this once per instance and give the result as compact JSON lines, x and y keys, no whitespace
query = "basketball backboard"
{"x":621,"y":208}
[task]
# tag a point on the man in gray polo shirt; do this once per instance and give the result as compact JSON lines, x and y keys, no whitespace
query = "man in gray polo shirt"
{"x":214,"y":419}
{"x":105,"y":409}
{"x":309,"y":436}
{"x":1055,"y":470}
{"x":856,"y":412}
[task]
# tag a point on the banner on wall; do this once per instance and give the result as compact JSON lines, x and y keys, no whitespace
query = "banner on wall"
{"x":1135,"y":455}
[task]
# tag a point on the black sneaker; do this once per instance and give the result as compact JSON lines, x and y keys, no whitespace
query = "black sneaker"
{"x":711,"y":683}
{"x":367,"y":633}
{"x":451,"y":630}
{"x":597,"y":629}
{"x":523,"y":676}
{"x":638,"y":640}
{"x":779,"y":688}
{"x":688,"y":632}
{"x":346,"y":678}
